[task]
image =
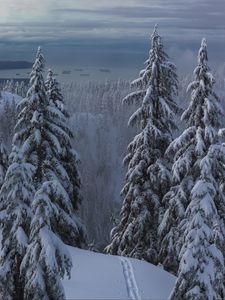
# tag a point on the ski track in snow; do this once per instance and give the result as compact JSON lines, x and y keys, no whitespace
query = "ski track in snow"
{"x":131,"y":284}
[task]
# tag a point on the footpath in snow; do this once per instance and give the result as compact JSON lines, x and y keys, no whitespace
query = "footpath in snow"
{"x":131,"y":284}
{"x":99,"y":276}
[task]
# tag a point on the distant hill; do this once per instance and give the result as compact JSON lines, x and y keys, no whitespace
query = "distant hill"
{"x":10,"y":65}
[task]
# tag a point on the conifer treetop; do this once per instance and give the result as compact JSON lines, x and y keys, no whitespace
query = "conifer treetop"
{"x":203,"y":55}
{"x":147,"y":177}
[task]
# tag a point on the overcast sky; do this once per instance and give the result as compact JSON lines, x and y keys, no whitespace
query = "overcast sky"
{"x":110,"y":33}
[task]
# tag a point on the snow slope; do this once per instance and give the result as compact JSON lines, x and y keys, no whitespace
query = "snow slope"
{"x":99,"y":276}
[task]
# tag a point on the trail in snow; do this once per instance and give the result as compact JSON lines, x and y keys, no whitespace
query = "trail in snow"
{"x":131,"y":284}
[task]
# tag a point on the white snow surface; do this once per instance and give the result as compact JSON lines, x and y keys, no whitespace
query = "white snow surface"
{"x":100,"y":276}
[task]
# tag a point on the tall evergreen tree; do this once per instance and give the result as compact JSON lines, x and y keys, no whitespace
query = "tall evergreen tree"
{"x":68,"y":156}
{"x":22,"y":89}
{"x":148,"y":177}
{"x":54,"y":92}
{"x":196,"y":205}
{"x":15,"y":215}
{"x":41,"y":136}
{"x":44,"y":146}
{"x":17,"y":88}
{"x":46,"y":259}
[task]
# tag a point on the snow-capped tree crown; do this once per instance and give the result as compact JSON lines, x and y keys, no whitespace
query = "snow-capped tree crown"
{"x":41,"y":129}
{"x":202,"y":119}
{"x":204,"y":110}
{"x":54,"y":93}
{"x":157,"y":86}
{"x":30,"y":126}
{"x":69,"y":157}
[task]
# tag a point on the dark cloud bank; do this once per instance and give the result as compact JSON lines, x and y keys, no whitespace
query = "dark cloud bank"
{"x":119,"y":36}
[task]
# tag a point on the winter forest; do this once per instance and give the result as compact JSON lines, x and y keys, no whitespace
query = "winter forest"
{"x":134,"y":170}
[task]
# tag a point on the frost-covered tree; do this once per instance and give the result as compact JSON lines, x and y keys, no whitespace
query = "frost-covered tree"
{"x":69,"y":157}
{"x":148,"y":177}
{"x":46,"y":259}
{"x":3,"y":162}
{"x":15,"y":215}
{"x":22,"y":89}
{"x":17,"y":88}
{"x":196,"y":204}
{"x":8,"y":121}
{"x":5,"y":86}
{"x":41,"y":136}
{"x":54,"y":92}
{"x":9,"y":86}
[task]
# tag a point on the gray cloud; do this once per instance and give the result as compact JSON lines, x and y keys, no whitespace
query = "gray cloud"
{"x":110,"y":31}
{"x":170,"y":9}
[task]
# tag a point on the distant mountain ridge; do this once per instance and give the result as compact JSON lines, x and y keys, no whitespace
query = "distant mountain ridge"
{"x":18,"y":64}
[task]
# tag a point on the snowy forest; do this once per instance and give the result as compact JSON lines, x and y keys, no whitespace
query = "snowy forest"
{"x":131,"y":169}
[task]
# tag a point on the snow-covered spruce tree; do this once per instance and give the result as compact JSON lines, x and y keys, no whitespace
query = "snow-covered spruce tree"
{"x":184,"y":171}
{"x":7,"y":86}
{"x":54,"y":92}
{"x":3,"y":162}
{"x":148,"y":177}
{"x":22,"y":89}
{"x":17,"y":88}
{"x":15,"y":215}
{"x":41,"y":136}
{"x":197,"y":203}
{"x":8,"y":121}
{"x":68,"y":156}
{"x":46,"y":259}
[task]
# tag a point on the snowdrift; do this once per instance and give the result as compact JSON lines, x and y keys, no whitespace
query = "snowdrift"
{"x":99,"y":276}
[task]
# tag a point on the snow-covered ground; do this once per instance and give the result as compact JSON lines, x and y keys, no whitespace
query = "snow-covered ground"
{"x":99,"y":276}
